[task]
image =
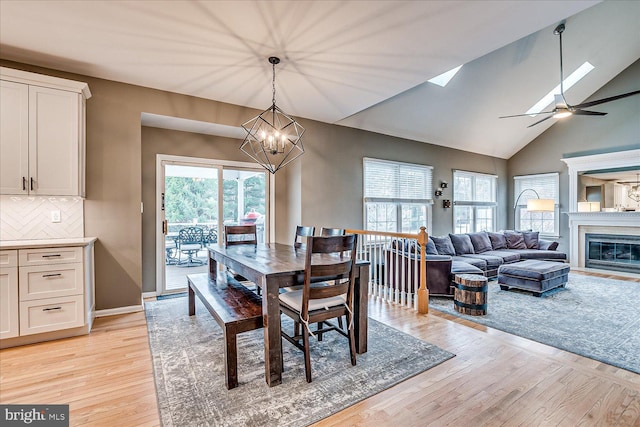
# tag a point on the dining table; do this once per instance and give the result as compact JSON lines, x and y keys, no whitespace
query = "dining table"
{"x":273,"y":266}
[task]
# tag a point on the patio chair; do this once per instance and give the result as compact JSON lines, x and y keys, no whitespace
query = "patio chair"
{"x":190,"y":242}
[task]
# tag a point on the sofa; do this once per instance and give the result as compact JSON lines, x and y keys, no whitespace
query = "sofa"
{"x":472,"y":253}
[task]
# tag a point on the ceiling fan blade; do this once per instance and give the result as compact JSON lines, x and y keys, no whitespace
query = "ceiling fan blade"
{"x":526,"y":115}
{"x":588,"y":113}
{"x":603,"y":100}
{"x":540,"y":121}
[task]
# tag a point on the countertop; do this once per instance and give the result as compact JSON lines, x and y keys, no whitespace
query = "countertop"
{"x":46,"y":243}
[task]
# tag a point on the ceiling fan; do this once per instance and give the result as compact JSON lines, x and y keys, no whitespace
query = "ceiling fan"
{"x":562,"y":108}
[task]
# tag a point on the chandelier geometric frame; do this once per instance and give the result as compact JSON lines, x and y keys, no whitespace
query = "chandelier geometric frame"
{"x":274,"y":138}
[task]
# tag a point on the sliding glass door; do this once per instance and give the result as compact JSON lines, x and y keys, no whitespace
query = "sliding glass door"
{"x":197,"y":198}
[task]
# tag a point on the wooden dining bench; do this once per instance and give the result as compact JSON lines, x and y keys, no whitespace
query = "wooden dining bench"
{"x":236,"y":309}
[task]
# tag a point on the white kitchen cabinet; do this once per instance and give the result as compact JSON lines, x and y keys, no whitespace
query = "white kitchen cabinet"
{"x":42,"y":139}
{"x":46,"y":292}
{"x":9,"y":320}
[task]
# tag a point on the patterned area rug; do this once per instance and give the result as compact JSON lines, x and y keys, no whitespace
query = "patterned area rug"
{"x":593,"y":317}
{"x":189,"y":371}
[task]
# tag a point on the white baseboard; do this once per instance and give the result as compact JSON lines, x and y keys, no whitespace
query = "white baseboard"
{"x":149,"y":294}
{"x":119,"y":310}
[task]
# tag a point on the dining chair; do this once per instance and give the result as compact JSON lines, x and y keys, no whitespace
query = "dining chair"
{"x":330,"y":258}
{"x":190,"y":242}
{"x":331,"y":231}
{"x":301,"y":233}
{"x":241,"y":235}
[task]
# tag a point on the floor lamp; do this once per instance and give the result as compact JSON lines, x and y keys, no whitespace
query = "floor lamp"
{"x":534,"y":205}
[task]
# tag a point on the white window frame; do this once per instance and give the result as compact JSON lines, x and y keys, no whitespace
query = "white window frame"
{"x":473,"y":203}
{"x":396,"y":198}
{"x":547,"y":185}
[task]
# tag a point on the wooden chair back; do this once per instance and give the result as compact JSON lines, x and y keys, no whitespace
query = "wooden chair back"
{"x":331,"y":231}
{"x":330,"y":259}
{"x":240,"y":235}
{"x":302,"y":232}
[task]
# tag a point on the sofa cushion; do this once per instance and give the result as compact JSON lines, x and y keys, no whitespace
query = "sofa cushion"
{"x":539,"y":254}
{"x":431,"y":247}
{"x":493,"y":261}
{"x":444,"y":245}
{"x":535,"y":269}
{"x":462,"y":244}
{"x":460,"y":267}
{"x":476,"y":262}
{"x":508,"y":256}
{"x":481,"y":242}
{"x":515,"y":240}
{"x":531,"y":239}
{"x":498,"y":241}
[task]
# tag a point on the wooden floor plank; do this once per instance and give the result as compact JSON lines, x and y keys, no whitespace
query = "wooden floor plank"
{"x":495,"y":379}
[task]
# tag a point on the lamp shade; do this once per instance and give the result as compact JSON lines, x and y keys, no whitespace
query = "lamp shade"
{"x":541,"y":205}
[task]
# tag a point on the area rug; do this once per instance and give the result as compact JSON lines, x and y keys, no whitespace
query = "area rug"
{"x":593,"y":317}
{"x":188,"y":364}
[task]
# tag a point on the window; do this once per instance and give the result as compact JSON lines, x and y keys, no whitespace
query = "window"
{"x":546,"y":186}
{"x":474,"y":202}
{"x":397,"y":196}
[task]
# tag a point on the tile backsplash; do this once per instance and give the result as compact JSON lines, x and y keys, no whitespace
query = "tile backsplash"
{"x":27,"y":218}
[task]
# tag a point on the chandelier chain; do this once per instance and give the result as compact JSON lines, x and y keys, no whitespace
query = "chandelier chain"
{"x":273,"y":84}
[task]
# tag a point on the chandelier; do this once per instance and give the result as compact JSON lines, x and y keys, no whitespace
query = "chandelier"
{"x":634,"y":191}
{"x":274,"y":139}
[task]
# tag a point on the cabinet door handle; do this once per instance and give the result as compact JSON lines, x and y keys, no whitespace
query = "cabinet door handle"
{"x":52,"y":275}
{"x":52,"y":308}
{"x":24,"y":183}
{"x":50,"y":256}
{"x":31,"y":179}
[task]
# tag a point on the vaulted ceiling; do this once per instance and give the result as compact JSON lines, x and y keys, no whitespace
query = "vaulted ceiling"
{"x":363,"y":64}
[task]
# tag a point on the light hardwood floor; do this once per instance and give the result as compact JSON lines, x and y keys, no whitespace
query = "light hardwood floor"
{"x":495,"y":379}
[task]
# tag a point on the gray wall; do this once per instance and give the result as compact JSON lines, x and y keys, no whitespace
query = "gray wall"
{"x":580,"y":135}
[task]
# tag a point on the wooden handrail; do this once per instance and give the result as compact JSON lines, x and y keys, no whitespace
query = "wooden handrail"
{"x":422,"y":238}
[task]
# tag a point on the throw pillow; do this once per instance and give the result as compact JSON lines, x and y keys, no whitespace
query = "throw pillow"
{"x":498,"y":241}
{"x":531,"y":239}
{"x":547,"y":245}
{"x":431,"y":247}
{"x":444,"y":245}
{"x":461,"y":243}
{"x":480,"y":241}
{"x":515,"y":240}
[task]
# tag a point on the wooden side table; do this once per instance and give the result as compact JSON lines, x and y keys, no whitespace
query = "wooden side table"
{"x":470,"y":294}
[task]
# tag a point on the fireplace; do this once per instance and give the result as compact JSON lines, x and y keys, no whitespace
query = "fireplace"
{"x":612,"y":252}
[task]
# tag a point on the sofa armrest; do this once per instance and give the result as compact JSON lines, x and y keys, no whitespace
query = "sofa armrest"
{"x":403,"y":267}
{"x":547,"y":245}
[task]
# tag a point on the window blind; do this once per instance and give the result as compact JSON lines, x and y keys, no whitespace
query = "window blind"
{"x":385,"y":179}
{"x":546,"y":185}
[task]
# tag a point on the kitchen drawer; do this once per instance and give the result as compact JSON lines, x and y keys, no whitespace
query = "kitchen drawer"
{"x":49,"y":281}
{"x":51,"y":314}
{"x":49,"y":256}
{"x":9,"y":258}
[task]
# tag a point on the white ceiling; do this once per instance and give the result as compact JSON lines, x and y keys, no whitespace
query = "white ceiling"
{"x":361,"y":64}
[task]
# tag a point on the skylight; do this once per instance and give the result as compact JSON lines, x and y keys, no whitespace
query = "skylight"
{"x":572,"y":79}
{"x":445,"y":77}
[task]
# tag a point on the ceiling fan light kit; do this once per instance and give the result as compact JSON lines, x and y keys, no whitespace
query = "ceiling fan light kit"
{"x":562,"y":109}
